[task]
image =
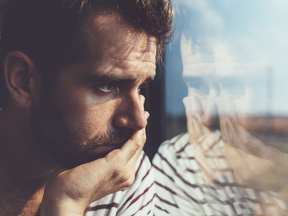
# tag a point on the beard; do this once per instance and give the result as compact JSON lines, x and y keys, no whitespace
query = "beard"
{"x":67,"y":147}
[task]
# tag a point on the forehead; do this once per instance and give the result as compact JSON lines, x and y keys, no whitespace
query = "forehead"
{"x":111,"y":37}
{"x":115,"y":51}
{"x":117,"y":54}
{"x":217,"y":58}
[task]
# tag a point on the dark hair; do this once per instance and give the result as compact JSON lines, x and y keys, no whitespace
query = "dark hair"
{"x":53,"y":32}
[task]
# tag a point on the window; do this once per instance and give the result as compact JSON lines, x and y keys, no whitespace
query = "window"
{"x":228,"y":64}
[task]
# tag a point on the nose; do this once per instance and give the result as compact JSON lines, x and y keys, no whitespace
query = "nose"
{"x":210,"y":118}
{"x":130,"y":113}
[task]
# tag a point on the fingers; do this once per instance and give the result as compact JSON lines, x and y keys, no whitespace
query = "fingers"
{"x":208,"y":141}
{"x":193,"y":106}
{"x":232,"y":132}
{"x":210,"y":157}
{"x":225,"y":106}
{"x":134,"y":145}
{"x":194,"y":113}
{"x":229,"y":135}
{"x":141,"y":139}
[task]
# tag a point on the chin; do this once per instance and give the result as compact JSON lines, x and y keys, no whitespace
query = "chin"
{"x":72,"y":163}
{"x":77,"y":160}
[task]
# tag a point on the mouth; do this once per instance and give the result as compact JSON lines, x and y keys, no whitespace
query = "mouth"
{"x":99,"y":152}
{"x":105,"y":149}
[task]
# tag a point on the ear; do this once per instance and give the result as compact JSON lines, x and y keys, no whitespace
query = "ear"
{"x":22,"y":78}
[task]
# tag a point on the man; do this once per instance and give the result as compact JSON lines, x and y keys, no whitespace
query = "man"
{"x":220,"y":167}
{"x":73,"y":129}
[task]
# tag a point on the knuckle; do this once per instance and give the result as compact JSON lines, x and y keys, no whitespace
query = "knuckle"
{"x":255,"y":147}
{"x":113,"y":156}
{"x":125,"y":177}
{"x":144,"y":139}
{"x":130,"y":181}
{"x":118,"y":171}
{"x":224,"y":138}
{"x":124,"y":188}
{"x":239,"y":179}
{"x":242,"y":178}
{"x":139,"y":143}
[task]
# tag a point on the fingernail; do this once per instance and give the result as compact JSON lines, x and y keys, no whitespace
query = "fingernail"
{"x":146,"y":114}
{"x":195,"y":115}
{"x":142,"y":100}
{"x":217,"y":133}
{"x":185,"y":102}
{"x":217,"y":101}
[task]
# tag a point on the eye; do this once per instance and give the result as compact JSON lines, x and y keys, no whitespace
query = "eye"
{"x":142,"y":88}
{"x":200,"y":88}
{"x":106,"y":88}
{"x":103,"y":92}
{"x":235,"y":89}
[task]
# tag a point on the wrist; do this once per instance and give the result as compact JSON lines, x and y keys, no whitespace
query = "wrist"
{"x":61,"y":207}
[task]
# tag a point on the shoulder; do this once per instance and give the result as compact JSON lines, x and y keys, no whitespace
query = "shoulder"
{"x":176,"y":171}
{"x":176,"y":144}
{"x":172,"y":153}
{"x":138,"y":199}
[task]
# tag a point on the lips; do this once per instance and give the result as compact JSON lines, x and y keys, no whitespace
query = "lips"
{"x":106,"y":148}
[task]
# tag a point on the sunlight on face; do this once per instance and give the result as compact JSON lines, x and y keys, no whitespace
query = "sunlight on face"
{"x":96,"y":104}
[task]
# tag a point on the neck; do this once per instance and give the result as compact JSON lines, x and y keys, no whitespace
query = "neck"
{"x":20,"y":156}
{"x":23,"y":170}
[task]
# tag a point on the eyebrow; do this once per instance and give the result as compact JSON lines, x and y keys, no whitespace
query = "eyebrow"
{"x":229,"y":79}
{"x":115,"y":79}
{"x":221,"y":79}
{"x":189,"y":79}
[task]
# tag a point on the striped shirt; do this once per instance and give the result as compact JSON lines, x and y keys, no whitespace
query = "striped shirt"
{"x":136,"y":200}
{"x":181,"y":191}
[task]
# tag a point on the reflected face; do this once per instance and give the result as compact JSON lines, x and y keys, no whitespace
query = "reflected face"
{"x":214,"y":69}
{"x":96,"y":104}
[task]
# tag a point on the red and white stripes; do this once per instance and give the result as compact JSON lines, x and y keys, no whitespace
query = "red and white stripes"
{"x":136,"y":200}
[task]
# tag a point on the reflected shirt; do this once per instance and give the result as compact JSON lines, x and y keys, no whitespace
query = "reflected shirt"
{"x":180,"y":189}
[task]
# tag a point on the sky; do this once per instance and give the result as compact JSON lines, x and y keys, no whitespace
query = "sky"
{"x":249,"y":33}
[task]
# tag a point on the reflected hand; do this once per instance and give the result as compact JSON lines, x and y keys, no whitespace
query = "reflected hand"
{"x":207,"y":146}
{"x":254,"y":163}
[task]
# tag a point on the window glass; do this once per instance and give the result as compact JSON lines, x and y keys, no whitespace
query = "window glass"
{"x":226,"y":75}
{"x":3,"y":90}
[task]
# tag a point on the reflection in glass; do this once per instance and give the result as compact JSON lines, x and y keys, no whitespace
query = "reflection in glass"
{"x":233,"y":160}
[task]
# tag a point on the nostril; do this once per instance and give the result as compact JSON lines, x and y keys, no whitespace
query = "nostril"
{"x":141,"y":121}
{"x":133,"y":119}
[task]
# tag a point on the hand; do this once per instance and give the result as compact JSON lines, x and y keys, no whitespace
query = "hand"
{"x":207,"y":146}
{"x":71,"y":191}
{"x":255,"y":164}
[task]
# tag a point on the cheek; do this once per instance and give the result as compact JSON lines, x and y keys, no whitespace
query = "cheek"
{"x":241,"y":105}
{"x":85,"y":117}
{"x":202,"y":102}
{"x":206,"y":102}
{"x":92,"y":121}
{"x":251,"y":103}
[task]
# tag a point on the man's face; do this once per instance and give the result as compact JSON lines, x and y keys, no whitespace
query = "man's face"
{"x":215,"y":69}
{"x":96,"y":104}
